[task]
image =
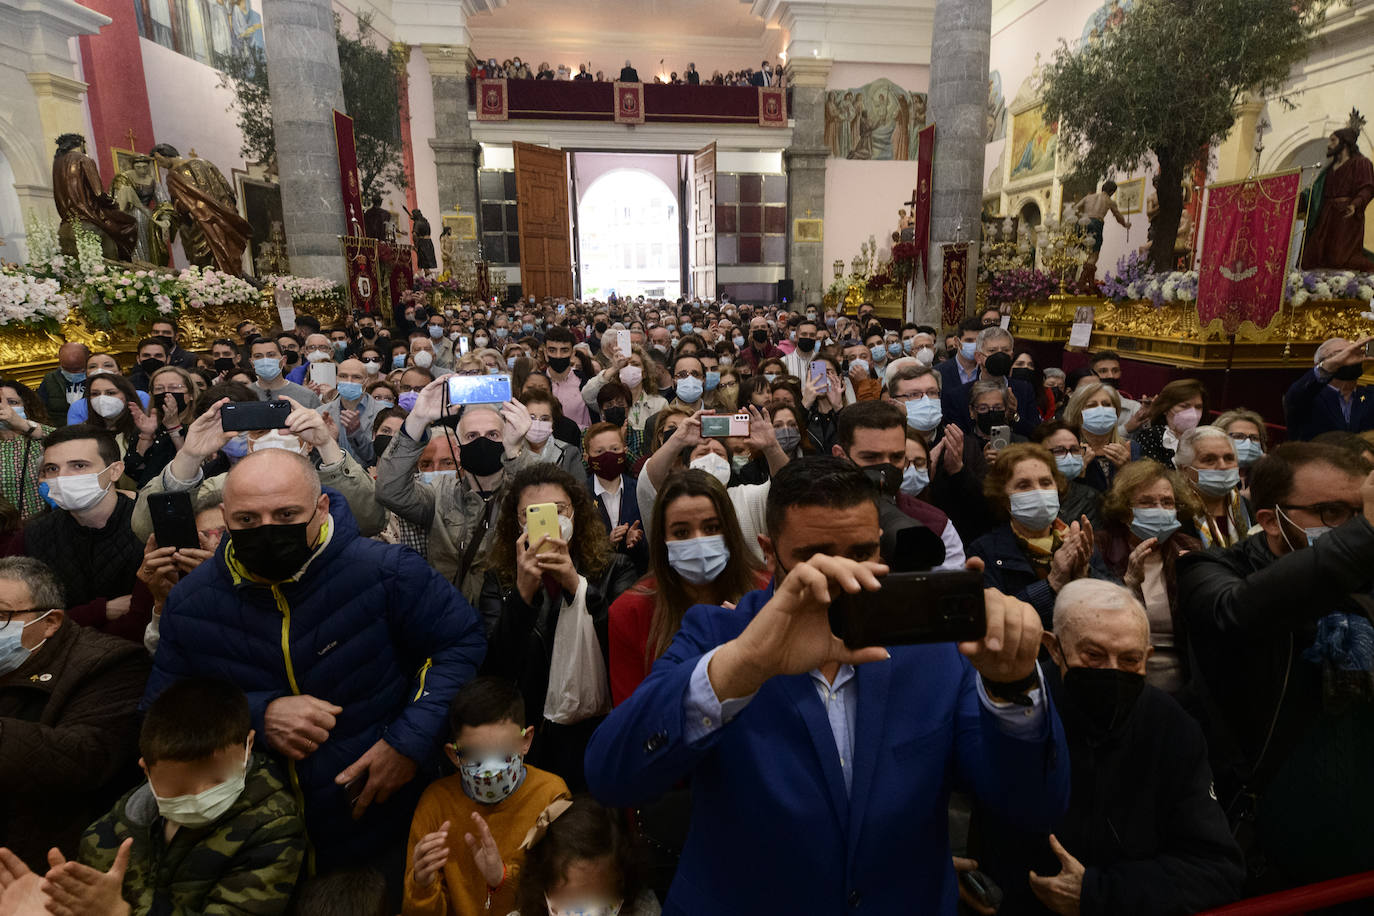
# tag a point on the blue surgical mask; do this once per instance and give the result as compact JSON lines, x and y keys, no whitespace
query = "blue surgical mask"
{"x":510,"y":361}
{"x":1099,"y":420}
{"x":1248,"y":451}
{"x":350,"y":391}
{"x":18,"y":412}
{"x":384,"y":403}
{"x":689,"y":390}
{"x":739,"y":342}
{"x":236,"y":447}
{"x":914,"y":480}
{"x":1154,"y":523}
{"x":398,"y":361}
{"x":712,"y":379}
{"x":699,"y":560}
{"x":501,"y":333}
{"x":13,"y":652}
{"x":527,"y":328}
{"x":267,"y":369}
{"x":1070,"y":465}
{"x":924,"y":414}
{"x":1217,"y":481}
{"x":433,"y":477}
{"x":1312,"y":534}
{"x":894,"y":349}
{"x":73,"y":377}
{"x":1035,"y":509}
{"x":436,"y":331}
{"x":879,"y":353}
{"x":686,"y":327}
{"x":967,"y":349}
{"x":771,"y":377}
{"x":860,"y":363}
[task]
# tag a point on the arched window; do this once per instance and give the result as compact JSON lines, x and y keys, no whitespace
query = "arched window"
{"x":628,"y":234}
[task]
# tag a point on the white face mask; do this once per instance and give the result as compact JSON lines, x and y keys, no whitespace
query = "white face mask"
{"x":107,"y":405}
{"x":75,"y":492}
{"x":372,"y":367}
{"x":424,"y":359}
{"x":205,"y":807}
{"x":316,"y":356}
{"x":277,"y":439}
{"x":714,"y":465}
{"x":585,"y":908}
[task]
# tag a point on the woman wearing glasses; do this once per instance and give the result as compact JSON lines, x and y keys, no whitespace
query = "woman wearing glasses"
{"x":1069,"y":453}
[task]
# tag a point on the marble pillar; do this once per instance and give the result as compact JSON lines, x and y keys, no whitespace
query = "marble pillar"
{"x":958,"y":107}
{"x":456,"y":154}
{"x":805,"y":159}
{"x":303,"y":70}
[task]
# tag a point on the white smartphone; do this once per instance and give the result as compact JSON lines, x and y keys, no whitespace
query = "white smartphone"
{"x":622,"y":342}
{"x":324,"y":373}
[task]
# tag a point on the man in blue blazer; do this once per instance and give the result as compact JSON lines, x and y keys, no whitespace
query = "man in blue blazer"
{"x":1329,"y":396}
{"x":820,"y":775}
{"x":993,"y":350}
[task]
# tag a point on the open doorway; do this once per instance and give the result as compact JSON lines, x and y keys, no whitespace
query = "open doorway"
{"x":629,"y":225}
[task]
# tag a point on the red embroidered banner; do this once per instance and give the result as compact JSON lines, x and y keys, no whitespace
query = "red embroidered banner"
{"x":400,"y":275}
{"x":493,"y":102}
{"x":954,"y":283}
{"x":629,"y":103}
{"x":920,"y":209}
{"x":1245,"y":250}
{"x":360,"y":257}
{"x":348,"y":174}
{"x":772,"y":106}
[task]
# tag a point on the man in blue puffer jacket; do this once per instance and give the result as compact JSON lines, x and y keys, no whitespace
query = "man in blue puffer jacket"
{"x":349,"y":651}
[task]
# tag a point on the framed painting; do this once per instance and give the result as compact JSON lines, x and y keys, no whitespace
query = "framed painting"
{"x":124,"y":161}
{"x":463,"y":226}
{"x":808,"y":230}
{"x":1130,"y":196}
{"x":1033,"y":143}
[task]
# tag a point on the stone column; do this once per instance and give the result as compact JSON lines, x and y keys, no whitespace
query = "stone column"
{"x":806,"y":175}
{"x":455,"y":152}
{"x":958,"y":108}
{"x":303,"y":70}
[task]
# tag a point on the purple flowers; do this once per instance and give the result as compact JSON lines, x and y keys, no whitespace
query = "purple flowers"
{"x":1021,"y":285}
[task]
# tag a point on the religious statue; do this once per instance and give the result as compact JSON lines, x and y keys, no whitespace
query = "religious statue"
{"x":1092,"y":213}
{"x":376,"y":220}
{"x":202,"y":207}
{"x":1338,"y":198}
{"x":420,"y":238}
{"x":138,"y":194}
{"x":80,"y":198}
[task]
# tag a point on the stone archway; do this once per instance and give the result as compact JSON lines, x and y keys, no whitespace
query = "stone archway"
{"x":24,"y":188}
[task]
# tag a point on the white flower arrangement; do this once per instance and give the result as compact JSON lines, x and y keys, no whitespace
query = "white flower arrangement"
{"x":26,"y":299}
{"x":202,"y":286}
{"x":306,"y":287}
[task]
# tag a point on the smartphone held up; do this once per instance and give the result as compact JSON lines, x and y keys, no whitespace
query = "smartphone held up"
{"x":912,"y":608}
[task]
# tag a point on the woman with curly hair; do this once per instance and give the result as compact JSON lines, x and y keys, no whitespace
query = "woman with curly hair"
{"x":528,"y":587}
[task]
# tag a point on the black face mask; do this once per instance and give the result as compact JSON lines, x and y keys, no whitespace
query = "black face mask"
{"x":1024,"y":374}
{"x":601,"y":327}
{"x":481,"y":457}
{"x":178,"y":397}
{"x":379,"y":444}
{"x":291,"y":357}
{"x":1112,"y":381}
{"x":368,"y":332}
{"x":614,"y":415}
{"x":150,"y":365}
{"x":272,"y":552}
{"x":998,"y":364}
{"x":225,"y":364}
{"x":887,"y":478}
{"x":560,"y":363}
{"x":760,"y":336}
{"x":166,"y":342}
{"x":986,"y":421}
{"x":1101,"y":699}
{"x":1348,"y":373}
{"x":806,"y":344}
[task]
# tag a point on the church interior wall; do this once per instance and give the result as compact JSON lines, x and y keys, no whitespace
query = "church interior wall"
{"x":862,"y":197}
{"x":190,"y":110}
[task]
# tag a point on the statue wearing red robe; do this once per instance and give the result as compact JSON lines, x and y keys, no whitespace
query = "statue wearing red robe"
{"x":1335,"y":233}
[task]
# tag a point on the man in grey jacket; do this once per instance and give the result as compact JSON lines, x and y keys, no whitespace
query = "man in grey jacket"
{"x":458,"y":507}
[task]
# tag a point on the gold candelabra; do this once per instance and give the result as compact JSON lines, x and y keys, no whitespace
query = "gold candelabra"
{"x":1063,"y":247}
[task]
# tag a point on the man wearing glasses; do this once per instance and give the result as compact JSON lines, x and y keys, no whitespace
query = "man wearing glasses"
{"x":68,"y":713}
{"x":1279,"y":625}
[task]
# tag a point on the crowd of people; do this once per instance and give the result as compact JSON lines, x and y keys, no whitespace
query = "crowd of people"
{"x":571,"y":652}
{"x":513,"y":68}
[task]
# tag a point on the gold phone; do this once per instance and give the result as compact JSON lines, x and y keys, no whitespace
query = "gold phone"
{"x":541,"y":520}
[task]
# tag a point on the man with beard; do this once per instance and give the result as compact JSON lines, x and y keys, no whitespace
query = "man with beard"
{"x":1339,"y":196}
{"x":1144,"y":833}
{"x":81,"y":199}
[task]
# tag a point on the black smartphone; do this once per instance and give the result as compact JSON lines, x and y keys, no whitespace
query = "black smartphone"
{"x":912,"y":608}
{"x":238,"y":416}
{"x":174,"y":519}
{"x":981,"y":888}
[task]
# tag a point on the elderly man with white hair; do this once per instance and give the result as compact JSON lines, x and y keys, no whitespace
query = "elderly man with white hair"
{"x":1144,"y":833}
{"x":1206,"y":457}
{"x":993,"y":355}
{"x":1329,"y":397}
